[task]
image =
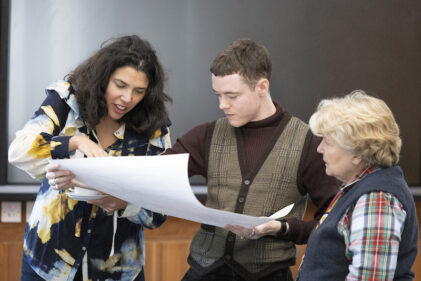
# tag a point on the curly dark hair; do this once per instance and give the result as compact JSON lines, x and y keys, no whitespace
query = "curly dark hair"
{"x":90,"y":80}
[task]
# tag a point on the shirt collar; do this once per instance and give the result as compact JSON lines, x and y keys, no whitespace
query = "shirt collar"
{"x":346,"y":186}
{"x":119,"y":133}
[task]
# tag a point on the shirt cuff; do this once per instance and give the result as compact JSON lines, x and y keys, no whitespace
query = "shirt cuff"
{"x":283,"y":231}
{"x":130,"y":211}
{"x":60,"y":147}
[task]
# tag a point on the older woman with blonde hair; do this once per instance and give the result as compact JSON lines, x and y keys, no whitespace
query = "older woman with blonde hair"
{"x":370,"y":229}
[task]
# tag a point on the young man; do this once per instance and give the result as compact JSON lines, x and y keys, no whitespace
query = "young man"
{"x":257,"y":160}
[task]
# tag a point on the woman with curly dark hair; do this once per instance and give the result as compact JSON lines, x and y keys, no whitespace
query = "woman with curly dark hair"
{"x":112,"y":104}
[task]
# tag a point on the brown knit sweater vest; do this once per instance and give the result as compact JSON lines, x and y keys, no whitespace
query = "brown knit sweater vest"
{"x":273,"y":187}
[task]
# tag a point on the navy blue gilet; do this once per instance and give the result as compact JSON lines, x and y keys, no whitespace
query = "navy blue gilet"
{"x":325,"y":253}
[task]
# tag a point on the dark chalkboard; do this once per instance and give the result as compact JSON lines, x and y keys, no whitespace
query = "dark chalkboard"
{"x":319,"y":49}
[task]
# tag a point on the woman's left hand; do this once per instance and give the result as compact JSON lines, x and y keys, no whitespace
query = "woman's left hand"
{"x":59,"y":179}
{"x":269,"y":228}
{"x":109,"y":203}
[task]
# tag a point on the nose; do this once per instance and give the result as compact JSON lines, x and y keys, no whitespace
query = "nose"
{"x":126,"y":96}
{"x":223,"y":103}
{"x":320,"y":147}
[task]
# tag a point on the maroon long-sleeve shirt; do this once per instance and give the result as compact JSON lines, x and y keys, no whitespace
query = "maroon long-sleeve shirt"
{"x":256,"y":136}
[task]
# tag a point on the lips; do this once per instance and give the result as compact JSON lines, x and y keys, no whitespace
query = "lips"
{"x":120,"y":108}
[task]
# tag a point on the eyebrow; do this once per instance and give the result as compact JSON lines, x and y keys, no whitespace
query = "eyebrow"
{"x":226,"y":93}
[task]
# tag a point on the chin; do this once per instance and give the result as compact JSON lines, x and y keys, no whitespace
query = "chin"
{"x":236,"y":124}
{"x":116,"y":118}
{"x":328,"y":173}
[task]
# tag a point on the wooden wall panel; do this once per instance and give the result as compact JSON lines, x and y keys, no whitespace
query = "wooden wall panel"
{"x":153,"y":257}
{"x":173,"y":263}
{"x":11,"y":243}
{"x":167,"y":249}
{"x":14,"y":259}
{"x":10,"y":260}
{"x":3,"y":262}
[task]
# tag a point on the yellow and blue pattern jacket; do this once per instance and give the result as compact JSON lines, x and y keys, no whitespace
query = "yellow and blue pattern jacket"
{"x":60,"y":229}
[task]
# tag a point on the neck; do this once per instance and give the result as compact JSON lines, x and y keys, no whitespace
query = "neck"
{"x":107,"y":124}
{"x":358,"y":174}
{"x":267,"y":108}
{"x":105,"y":132}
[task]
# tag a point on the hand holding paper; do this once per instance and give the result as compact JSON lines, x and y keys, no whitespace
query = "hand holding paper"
{"x":158,"y":183}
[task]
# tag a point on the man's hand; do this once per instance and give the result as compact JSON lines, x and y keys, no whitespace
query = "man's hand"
{"x":269,"y":228}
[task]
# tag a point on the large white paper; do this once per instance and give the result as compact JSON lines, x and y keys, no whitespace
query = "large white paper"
{"x":158,"y":183}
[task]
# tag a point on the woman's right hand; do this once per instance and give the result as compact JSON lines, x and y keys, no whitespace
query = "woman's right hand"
{"x":86,"y":146}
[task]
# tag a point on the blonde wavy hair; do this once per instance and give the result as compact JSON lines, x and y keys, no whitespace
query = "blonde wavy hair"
{"x":361,"y":124}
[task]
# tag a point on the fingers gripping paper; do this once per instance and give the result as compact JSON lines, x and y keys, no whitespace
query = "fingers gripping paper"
{"x":159,"y":184}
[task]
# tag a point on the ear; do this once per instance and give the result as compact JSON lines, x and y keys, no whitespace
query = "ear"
{"x":357,"y":160}
{"x":262,"y":86}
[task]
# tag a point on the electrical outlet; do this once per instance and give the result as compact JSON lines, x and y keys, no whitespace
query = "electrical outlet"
{"x":29,"y":206}
{"x":11,"y":211}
